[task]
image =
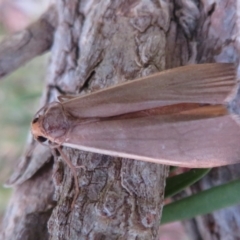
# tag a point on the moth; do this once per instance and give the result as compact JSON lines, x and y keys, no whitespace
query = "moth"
{"x":175,"y":117}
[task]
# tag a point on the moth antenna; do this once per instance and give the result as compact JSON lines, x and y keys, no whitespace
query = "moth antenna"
{"x":63,"y":98}
{"x":74,"y":172}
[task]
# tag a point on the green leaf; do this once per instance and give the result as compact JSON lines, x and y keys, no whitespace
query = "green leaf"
{"x":172,"y":168}
{"x":202,"y":203}
{"x":179,"y":182}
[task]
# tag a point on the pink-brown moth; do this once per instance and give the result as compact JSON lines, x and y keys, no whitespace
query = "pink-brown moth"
{"x":176,"y":117}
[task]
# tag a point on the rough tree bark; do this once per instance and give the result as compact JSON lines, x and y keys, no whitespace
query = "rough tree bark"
{"x":98,"y":44}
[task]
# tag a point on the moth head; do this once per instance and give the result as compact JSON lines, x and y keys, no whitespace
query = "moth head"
{"x":37,"y":130}
{"x":51,"y":123}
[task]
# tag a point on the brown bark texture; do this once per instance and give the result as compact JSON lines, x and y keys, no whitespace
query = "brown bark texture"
{"x":99,"y":44}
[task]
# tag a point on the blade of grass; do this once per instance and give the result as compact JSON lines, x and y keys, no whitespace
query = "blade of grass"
{"x":179,"y":182}
{"x":202,"y":203}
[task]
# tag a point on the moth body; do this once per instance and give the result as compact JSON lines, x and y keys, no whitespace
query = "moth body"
{"x":176,"y":117}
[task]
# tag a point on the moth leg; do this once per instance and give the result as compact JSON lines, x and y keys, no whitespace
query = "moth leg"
{"x":74,"y":172}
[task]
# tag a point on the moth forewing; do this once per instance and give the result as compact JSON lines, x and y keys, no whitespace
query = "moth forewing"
{"x":180,"y":139}
{"x":201,"y":83}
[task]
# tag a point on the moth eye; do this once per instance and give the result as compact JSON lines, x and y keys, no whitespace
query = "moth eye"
{"x":41,"y":139}
{"x":35,"y":120}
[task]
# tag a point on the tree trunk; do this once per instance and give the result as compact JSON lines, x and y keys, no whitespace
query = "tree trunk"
{"x":98,"y":44}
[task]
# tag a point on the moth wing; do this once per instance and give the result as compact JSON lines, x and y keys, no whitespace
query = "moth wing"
{"x":176,"y":140}
{"x":201,"y":83}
